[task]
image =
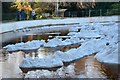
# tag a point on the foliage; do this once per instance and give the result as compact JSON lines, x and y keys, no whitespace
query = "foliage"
{"x":115,"y":9}
{"x":22,"y":5}
{"x":46,"y":7}
{"x":6,"y":7}
{"x":82,"y":8}
{"x":116,"y":6}
{"x":39,"y":7}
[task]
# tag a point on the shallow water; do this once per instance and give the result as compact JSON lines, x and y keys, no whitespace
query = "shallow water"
{"x":37,"y":36}
{"x":89,"y":68}
{"x":86,"y":67}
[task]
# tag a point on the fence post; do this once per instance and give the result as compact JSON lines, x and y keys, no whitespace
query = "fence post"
{"x":100,"y":12}
{"x":89,"y":12}
{"x":82,"y":13}
{"x":107,"y":12}
{"x":69,"y":13}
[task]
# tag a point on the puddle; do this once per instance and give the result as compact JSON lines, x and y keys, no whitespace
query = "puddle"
{"x":88,"y":67}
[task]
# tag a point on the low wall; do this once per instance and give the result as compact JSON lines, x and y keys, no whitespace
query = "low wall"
{"x":6,"y":36}
{"x":15,"y":29}
{"x":23,"y":24}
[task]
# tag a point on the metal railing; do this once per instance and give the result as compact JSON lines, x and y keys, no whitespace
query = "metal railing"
{"x":8,"y":17}
{"x":92,"y":13}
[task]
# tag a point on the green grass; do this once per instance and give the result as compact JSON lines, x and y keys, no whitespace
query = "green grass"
{"x":6,"y":21}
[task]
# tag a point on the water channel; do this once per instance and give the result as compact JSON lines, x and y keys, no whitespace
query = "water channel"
{"x":86,"y":67}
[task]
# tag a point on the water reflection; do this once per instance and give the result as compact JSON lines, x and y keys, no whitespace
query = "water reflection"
{"x":80,"y":68}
